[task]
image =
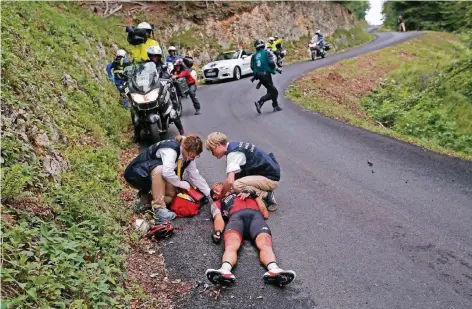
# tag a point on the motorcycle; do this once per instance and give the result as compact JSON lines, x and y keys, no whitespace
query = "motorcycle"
{"x":318,"y":49}
{"x":150,"y":97}
{"x":282,"y":52}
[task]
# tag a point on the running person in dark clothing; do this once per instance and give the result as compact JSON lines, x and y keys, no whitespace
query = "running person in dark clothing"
{"x":263,"y":65}
{"x":245,"y":216}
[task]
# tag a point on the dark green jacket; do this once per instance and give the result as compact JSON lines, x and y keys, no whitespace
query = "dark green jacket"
{"x":263,"y":62}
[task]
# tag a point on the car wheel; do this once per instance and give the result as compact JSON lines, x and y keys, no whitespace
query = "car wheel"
{"x":237,"y":73}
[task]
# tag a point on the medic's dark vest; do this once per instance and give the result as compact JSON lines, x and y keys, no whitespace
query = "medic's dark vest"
{"x":257,"y":161}
{"x":138,"y":172}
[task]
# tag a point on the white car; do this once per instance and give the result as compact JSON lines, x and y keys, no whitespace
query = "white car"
{"x":229,"y":64}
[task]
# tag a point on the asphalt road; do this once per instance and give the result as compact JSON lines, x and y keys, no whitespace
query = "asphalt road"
{"x":397,"y":234}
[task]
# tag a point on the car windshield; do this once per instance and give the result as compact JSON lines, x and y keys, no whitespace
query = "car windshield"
{"x":228,"y":55}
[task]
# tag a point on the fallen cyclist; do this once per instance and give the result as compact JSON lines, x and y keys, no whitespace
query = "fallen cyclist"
{"x":245,"y":219}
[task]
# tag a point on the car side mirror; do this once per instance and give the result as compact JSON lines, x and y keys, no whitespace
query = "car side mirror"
{"x":243,"y":57}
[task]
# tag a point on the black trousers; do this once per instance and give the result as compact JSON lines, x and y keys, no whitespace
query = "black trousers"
{"x":272,"y":92}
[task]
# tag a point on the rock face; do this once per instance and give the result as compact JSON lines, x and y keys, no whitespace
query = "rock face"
{"x":285,"y":19}
{"x":202,"y":28}
{"x":291,"y":20}
{"x":54,"y":164}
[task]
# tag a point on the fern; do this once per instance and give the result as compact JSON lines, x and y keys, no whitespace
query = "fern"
{"x":14,"y":180}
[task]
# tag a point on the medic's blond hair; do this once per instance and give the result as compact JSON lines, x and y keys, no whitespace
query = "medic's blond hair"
{"x":215,"y":139}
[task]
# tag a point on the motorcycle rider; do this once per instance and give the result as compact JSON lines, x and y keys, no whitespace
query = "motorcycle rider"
{"x":247,"y":168}
{"x":245,"y":215}
{"x":155,"y":55}
{"x":154,"y":170}
{"x":115,"y":72}
{"x":272,"y":43}
{"x":275,"y":45}
{"x":139,"y":52}
{"x":263,"y":65}
{"x":318,"y":38}
{"x":179,"y":72}
{"x":172,"y":57}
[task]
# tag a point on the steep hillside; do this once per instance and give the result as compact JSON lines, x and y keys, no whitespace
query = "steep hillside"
{"x":202,"y":28}
{"x":62,"y":218}
{"x":419,"y":91}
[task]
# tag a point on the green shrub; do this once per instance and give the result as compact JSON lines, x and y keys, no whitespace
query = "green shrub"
{"x":435,"y":106}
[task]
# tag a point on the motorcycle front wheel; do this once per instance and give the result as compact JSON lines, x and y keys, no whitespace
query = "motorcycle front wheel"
{"x":154,"y":132}
{"x":136,"y":128}
{"x":179,"y":106}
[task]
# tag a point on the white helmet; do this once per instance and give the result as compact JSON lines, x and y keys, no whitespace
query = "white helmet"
{"x":271,"y":39}
{"x":144,"y":25}
{"x":154,"y":50}
{"x":172,"y":48}
{"x":120,"y":53}
{"x":318,"y":31}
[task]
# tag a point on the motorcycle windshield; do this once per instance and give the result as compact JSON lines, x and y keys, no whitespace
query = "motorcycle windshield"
{"x":145,"y":77}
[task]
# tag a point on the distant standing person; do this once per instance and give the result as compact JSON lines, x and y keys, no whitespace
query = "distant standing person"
{"x":401,"y":24}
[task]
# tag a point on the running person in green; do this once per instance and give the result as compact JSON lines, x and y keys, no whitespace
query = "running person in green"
{"x":263,"y":65}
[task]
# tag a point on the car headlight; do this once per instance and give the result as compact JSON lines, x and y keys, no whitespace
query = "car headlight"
{"x":224,"y":68}
{"x":151,"y":96}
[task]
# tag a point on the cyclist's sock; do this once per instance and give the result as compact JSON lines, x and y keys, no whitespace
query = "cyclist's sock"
{"x":227,"y":266}
{"x":272,"y":266}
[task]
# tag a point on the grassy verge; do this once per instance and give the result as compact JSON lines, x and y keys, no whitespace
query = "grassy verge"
{"x":340,"y":40}
{"x":62,"y":217}
{"x":419,"y":91}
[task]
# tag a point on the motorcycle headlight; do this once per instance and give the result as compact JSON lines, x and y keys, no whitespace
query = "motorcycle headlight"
{"x":138,"y":98}
{"x":151,"y":96}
